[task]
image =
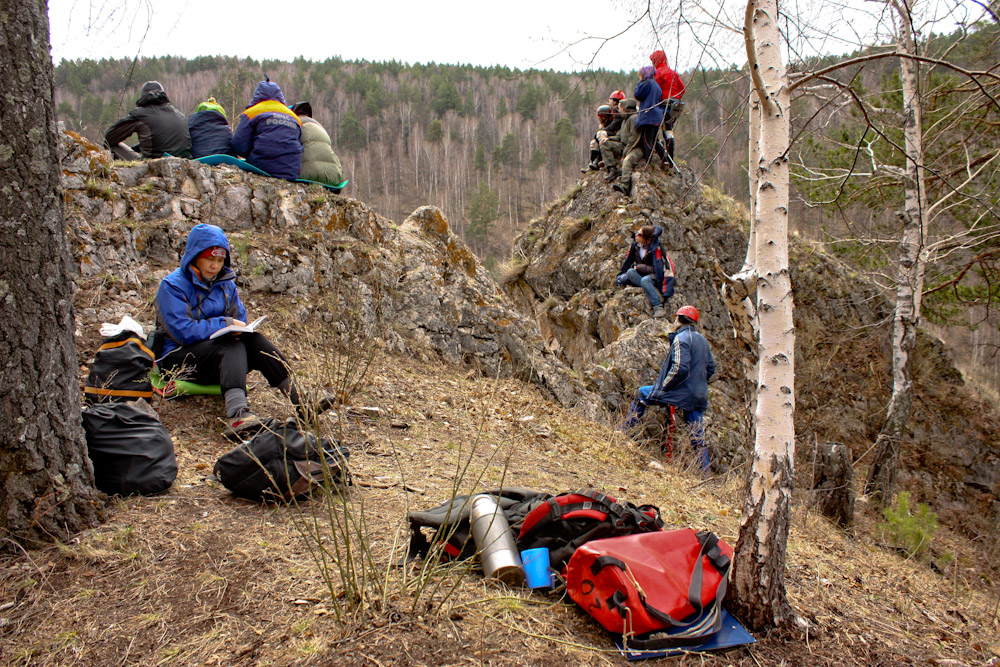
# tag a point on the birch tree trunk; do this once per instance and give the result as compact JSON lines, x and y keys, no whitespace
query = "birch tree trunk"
{"x":758,"y":576}
{"x":46,"y":478}
{"x":910,"y":269}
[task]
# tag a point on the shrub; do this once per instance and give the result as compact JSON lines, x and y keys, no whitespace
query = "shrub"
{"x":909,"y":532}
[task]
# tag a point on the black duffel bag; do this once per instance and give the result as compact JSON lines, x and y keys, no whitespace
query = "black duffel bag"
{"x":281,"y":462}
{"x":131,"y":450}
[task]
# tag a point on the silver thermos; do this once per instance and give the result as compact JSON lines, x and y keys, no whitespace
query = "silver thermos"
{"x":497,"y":550}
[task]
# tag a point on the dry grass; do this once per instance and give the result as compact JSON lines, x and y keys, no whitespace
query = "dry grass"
{"x":196,"y":577}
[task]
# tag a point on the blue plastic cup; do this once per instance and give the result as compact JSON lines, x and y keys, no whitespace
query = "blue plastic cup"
{"x":536,"y":568}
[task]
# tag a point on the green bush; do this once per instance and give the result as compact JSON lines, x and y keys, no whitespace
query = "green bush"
{"x":909,"y":532}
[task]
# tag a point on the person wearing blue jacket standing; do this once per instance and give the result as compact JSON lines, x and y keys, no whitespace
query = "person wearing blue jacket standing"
{"x":269,"y":135}
{"x":682,"y":382}
{"x":648,"y":92}
{"x":195,"y":301}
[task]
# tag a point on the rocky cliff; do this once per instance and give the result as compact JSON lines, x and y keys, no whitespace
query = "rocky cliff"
{"x":562,"y":275}
{"x":558,"y":321}
{"x":415,"y":285}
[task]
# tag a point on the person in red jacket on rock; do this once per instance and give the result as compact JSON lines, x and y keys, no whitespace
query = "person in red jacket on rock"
{"x":672,"y":89}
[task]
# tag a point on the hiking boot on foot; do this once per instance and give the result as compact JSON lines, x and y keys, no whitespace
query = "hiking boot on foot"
{"x":243,"y":424}
{"x":658,"y":312}
{"x":612,"y":175}
{"x":618,"y":187}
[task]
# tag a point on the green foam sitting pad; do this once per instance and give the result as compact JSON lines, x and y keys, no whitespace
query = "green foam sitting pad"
{"x":175,"y":388}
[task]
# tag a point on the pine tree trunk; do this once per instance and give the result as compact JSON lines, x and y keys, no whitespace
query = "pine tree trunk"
{"x":758,"y":576}
{"x":911,"y":266}
{"x":46,"y":477}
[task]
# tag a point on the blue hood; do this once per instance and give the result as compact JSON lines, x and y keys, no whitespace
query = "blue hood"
{"x":206,"y":236}
{"x":266,"y":90}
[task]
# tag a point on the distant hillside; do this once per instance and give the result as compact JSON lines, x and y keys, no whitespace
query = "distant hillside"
{"x":408,"y":134}
{"x":429,"y":134}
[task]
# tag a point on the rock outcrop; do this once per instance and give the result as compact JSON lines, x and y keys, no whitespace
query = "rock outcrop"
{"x":558,"y":321}
{"x":562,"y":274}
{"x":415,"y":285}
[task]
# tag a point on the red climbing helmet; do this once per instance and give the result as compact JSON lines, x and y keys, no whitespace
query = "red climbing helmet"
{"x":689,"y":312}
{"x":617,"y":95}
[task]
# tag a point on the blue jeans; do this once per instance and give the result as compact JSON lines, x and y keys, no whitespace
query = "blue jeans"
{"x":693,"y":419}
{"x":647,"y":283}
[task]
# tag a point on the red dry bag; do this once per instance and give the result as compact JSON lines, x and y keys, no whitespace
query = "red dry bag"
{"x":653,"y":582}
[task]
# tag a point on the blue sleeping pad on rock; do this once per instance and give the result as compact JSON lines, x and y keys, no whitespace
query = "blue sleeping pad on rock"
{"x":239,"y":163}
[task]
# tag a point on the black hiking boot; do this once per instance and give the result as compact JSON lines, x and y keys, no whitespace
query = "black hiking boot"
{"x":613,"y":173}
{"x":618,"y":187}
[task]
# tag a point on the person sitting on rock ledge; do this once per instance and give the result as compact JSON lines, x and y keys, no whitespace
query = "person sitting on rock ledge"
{"x":648,"y":267}
{"x":319,"y":162}
{"x":627,"y":142}
{"x":210,"y":131}
{"x":195,"y":301}
{"x":160,"y":127}
{"x":609,"y":123}
{"x":269,"y":134}
{"x":682,"y":383}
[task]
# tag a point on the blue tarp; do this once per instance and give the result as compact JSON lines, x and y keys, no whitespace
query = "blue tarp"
{"x":731,"y":635}
{"x":215,"y":160}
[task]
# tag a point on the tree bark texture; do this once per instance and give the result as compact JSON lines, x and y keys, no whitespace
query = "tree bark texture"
{"x":758,"y":577}
{"x":833,"y":482}
{"x":47,"y":480}
{"x":910,"y":269}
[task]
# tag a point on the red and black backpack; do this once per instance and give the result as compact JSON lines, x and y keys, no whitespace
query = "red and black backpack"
{"x":562,"y":523}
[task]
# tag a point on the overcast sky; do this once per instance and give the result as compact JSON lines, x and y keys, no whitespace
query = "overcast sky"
{"x":517,"y":33}
{"x":563,"y":35}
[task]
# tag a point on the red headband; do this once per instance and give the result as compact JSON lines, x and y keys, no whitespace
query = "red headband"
{"x":214,"y":251}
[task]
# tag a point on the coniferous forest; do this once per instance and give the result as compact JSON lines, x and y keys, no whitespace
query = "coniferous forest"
{"x":490,"y":146}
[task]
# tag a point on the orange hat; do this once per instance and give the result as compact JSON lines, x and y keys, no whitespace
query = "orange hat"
{"x":689,"y":312}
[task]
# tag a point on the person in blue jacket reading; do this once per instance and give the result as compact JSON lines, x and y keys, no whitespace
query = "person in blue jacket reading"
{"x":197,"y":300}
{"x":682,"y":382}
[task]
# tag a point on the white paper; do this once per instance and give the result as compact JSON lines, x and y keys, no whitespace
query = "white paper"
{"x":232,"y":328}
{"x":109,"y":330}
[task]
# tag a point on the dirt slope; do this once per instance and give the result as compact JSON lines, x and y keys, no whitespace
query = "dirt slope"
{"x":196,"y":577}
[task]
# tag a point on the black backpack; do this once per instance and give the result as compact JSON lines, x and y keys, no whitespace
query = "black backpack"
{"x":450,"y":525}
{"x":120,"y":371}
{"x":537,"y":519}
{"x":131,"y":450}
{"x":281,"y":463}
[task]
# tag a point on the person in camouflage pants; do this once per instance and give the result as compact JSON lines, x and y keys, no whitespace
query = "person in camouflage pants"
{"x":628,"y":142}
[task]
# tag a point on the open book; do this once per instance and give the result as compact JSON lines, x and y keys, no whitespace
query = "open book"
{"x":232,"y":328}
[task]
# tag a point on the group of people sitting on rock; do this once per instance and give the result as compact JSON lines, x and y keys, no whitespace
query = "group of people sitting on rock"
{"x":629,"y":129}
{"x":286,"y":142}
